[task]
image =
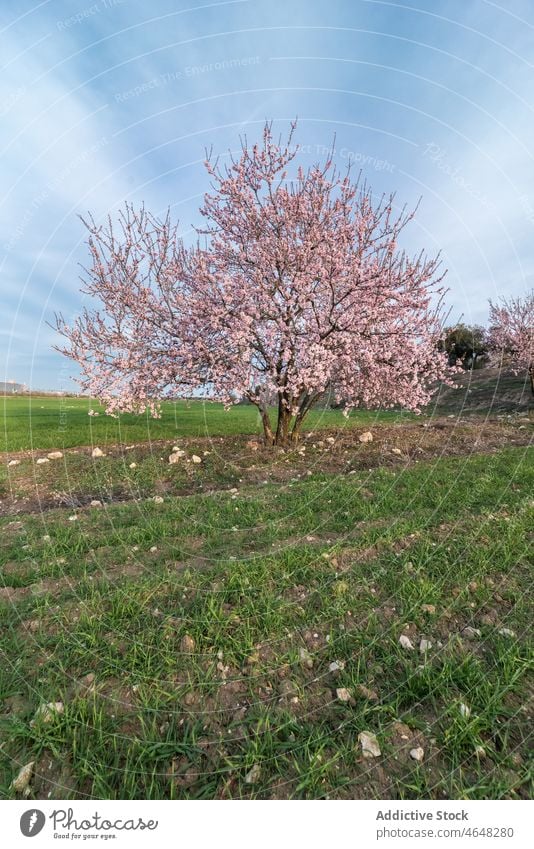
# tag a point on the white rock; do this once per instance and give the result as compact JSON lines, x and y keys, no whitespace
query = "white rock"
{"x":14,"y":463}
{"x":196,"y":459}
{"x":55,"y":455}
{"x":42,"y":460}
{"x":157,"y":499}
{"x":73,"y":518}
{"x":506,"y":632}
{"x":424,"y":646}
{"x":46,"y":712}
{"x":175,"y":457}
{"x":97,"y":452}
{"x":343,"y":694}
{"x":465,"y":710}
{"x":133,"y":465}
{"x":330,"y":440}
{"x":153,"y":549}
{"x":417,"y":754}
{"x":471,"y":633}
{"x":96,"y":503}
{"x":21,"y":782}
{"x":396,"y":451}
{"x":254,"y":775}
{"x":369,"y":744}
{"x":367,"y":436}
{"x":336,"y":666}
{"x":405,"y":642}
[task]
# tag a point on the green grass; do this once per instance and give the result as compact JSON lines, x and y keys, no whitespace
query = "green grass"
{"x":337,"y":565}
{"x":35,"y":422}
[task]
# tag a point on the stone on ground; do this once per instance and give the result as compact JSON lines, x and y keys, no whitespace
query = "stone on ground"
{"x":366,"y":693}
{"x":254,"y":775}
{"x":47,"y":712}
{"x":369,"y":744}
{"x":343,"y":694}
{"x":22,"y":780}
{"x":187,"y":644}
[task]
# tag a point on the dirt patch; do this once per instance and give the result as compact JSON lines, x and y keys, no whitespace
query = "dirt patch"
{"x":9,"y":595}
{"x":53,"y":778}
{"x":231,"y":462}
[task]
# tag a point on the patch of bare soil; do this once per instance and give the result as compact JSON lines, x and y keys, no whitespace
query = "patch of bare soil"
{"x":53,"y":778}
{"x":331,"y":452}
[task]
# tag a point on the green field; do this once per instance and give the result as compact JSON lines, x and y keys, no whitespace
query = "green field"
{"x":189,"y":640}
{"x":33,"y":422}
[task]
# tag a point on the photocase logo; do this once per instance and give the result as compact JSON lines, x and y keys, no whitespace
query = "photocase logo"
{"x":32,"y":822}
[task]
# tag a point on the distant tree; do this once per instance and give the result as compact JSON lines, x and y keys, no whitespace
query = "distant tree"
{"x":511,"y":332}
{"x":466,"y":345}
{"x":298,"y":285}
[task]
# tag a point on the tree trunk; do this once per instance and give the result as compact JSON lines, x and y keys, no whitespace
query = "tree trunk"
{"x":305,"y":406}
{"x":531,"y":375}
{"x":282,"y":428}
{"x":267,"y":429}
{"x":295,"y":433}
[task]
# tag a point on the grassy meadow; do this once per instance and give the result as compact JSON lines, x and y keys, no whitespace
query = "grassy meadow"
{"x":34,"y":422}
{"x":229,"y":627}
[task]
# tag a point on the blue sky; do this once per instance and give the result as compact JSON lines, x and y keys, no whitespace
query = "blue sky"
{"x":107,"y":101}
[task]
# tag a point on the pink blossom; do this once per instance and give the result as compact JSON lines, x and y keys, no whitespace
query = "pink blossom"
{"x":295,"y":287}
{"x":511,"y":332}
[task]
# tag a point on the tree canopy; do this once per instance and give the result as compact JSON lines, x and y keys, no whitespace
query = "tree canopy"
{"x":297,"y":283}
{"x":466,"y":345}
{"x":511,"y":332}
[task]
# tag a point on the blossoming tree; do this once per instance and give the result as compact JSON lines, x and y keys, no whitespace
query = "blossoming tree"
{"x":511,"y":332}
{"x":295,"y":286}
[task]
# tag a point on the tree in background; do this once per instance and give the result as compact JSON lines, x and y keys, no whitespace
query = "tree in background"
{"x":511,"y":333}
{"x":466,"y":345}
{"x":295,"y":285}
